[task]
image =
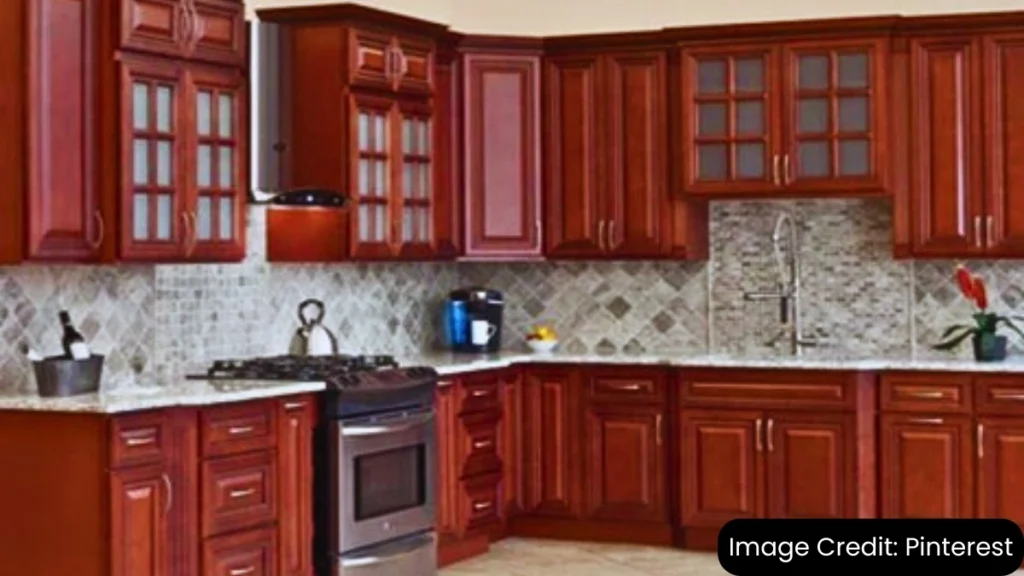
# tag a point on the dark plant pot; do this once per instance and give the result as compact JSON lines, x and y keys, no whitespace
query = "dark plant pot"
{"x":989,"y":348}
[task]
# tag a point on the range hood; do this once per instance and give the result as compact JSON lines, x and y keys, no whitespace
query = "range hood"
{"x":266,"y":141}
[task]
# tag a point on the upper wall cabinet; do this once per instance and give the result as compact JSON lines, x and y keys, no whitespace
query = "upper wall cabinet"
{"x":212,"y":30}
{"x":800,"y":118}
{"x":966,"y":145}
{"x":399,"y":63}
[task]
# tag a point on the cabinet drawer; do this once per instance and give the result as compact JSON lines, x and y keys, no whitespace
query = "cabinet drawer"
{"x":238,"y":492}
{"x":761,"y":389}
{"x":252,"y":553}
{"x":138,"y":439}
{"x":479,"y":450}
{"x":999,"y":395}
{"x":926,"y":392}
{"x":479,"y":393}
{"x":478,"y":502}
{"x":155,"y":26}
{"x":237,"y":428}
{"x":626,"y":386}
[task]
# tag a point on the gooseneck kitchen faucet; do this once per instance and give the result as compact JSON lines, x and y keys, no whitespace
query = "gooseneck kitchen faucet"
{"x":786,"y":247}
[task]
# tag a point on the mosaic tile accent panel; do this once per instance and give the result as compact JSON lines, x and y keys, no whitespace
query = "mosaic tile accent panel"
{"x":111,"y":306}
{"x":856,"y":298}
{"x":938,"y":303}
{"x":602,"y":307}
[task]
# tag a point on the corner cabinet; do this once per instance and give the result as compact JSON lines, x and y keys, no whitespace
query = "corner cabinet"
{"x":806,"y":117}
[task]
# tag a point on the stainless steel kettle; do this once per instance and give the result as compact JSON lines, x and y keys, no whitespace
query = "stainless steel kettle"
{"x":313,"y":338}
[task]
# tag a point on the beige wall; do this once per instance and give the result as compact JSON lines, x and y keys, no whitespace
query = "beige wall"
{"x":544,"y":17}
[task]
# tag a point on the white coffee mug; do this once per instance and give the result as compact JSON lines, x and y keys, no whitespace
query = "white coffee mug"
{"x":482,"y":332}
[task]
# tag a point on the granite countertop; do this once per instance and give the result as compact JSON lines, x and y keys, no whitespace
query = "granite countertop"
{"x":207,"y":392}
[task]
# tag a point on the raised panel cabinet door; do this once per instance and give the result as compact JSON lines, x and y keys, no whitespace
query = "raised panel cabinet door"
{"x":415,"y":181}
{"x":414,"y":65}
{"x":375,"y":128}
{"x":552,"y":443}
{"x":625,"y":463}
{"x":1003,"y":82}
{"x":946,"y":162}
{"x":577,"y":224}
{"x":295,"y":480}
{"x":155,"y":221}
{"x":64,"y":220}
{"x":510,"y":445}
{"x":835,"y":116}
{"x":810,"y":465}
{"x":141,"y":501}
{"x":155,"y":26}
{"x":448,"y":466}
{"x":721,"y":466}
{"x":218,"y":31}
{"x":730,"y":128}
{"x":218,"y":172}
{"x":636,"y":141}
{"x":927,"y":466}
{"x":501,"y":139}
{"x":371,"y":59}
{"x":1000,"y":457}
{"x":251,"y":553}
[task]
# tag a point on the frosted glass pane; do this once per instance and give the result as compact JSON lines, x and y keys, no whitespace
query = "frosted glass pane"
{"x":227,"y":218}
{"x":408,"y":180}
{"x":363,"y":185}
{"x":853,"y":70}
{"x":164,"y":108}
{"x":225,"y":171}
{"x":711,"y":119}
{"x":424,"y":181}
{"x":711,"y":77}
{"x":408,"y":137}
{"x":140,"y":161}
{"x":854,"y":158}
{"x":225,"y":107}
{"x":749,"y":75}
{"x":853,"y":114}
{"x":140,"y":217}
{"x":380,"y":133}
{"x":424,"y":224}
{"x":140,"y":106}
{"x":381,"y":179}
{"x":813,"y":72}
{"x":712,"y":161}
{"x":204,"y":166}
{"x":163,"y":163}
{"x":380,"y":223}
{"x":814,"y":159}
{"x":364,"y":132}
{"x":408,"y":218}
{"x":424,"y":131}
{"x":204,"y":218}
{"x":812,"y":116}
{"x":364,"y":222}
{"x":750,"y":117}
{"x":204,"y":110}
{"x":163,"y":217}
{"x":750,"y":160}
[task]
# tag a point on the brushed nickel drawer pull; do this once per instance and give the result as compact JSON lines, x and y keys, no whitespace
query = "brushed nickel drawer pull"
{"x":627,"y":387}
{"x":242,"y":571}
{"x":480,"y":393}
{"x":926,"y":421}
{"x":481,"y":444}
{"x":482,"y":505}
{"x":242,"y":493}
{"x":294,"y":405}
{"x":981,"y":441}
{"x":758,"y":442}
{"x":1007,"y":396}
{"x":931,"y":394}
{"x":444,"y":383}
{"x":238,"y":430}
{"x":140,"y":441}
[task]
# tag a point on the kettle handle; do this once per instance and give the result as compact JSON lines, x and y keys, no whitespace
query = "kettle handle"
{"x":319,"y":314}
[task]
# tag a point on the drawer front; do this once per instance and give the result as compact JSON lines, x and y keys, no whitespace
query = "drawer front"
{"x":137,"y":439}
{"x":763,"y":389}
{"x":999,"y":395}
{"x":616,"y":387}
{"x":479,"y":393}
{"x":479,"y":503}
{"x":238,"y":492}
{"x":479,"y":450}
{"x":238,"y":428}
{"x":252,"y":553}
{"x":926,"y":392}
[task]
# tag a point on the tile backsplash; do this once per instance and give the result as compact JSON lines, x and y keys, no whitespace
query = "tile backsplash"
{"x":157,"y":322}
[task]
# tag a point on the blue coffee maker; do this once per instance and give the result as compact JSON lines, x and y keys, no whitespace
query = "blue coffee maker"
{"x":472,"y":320}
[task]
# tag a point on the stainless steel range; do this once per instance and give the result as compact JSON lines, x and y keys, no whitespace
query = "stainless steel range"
{"x":374,"y":460}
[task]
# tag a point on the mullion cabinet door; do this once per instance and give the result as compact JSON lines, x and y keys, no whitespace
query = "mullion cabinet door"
{"x":415,"y":184}
{"x":373,"y":227}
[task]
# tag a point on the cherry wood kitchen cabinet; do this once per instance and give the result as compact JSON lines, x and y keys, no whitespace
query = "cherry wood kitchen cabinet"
{"x":800,"y":117}
{"x":607,"y":139}
{"x":966,"y":191}
{"x":501,"y":140}
{"x":211,"y":30}
{"x":552,"y":463}
{"x":773,"y":444}
{"x":210,"y":491}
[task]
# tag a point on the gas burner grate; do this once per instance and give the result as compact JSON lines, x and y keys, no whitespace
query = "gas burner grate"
{"x":299,"y":368}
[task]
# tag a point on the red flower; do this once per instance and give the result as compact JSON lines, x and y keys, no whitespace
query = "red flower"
{"x":980,"y":293}
{"x":965,"y":281}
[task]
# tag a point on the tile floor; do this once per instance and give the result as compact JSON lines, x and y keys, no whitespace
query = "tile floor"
{"x":524,"y":557}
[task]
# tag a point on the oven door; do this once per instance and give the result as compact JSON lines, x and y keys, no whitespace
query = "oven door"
{"x":386,"y":471}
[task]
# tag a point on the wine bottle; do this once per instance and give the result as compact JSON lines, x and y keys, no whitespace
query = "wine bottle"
{"x":74,"y":344}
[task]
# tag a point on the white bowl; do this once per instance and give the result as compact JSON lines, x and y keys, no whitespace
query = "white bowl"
{"x":542,"y":345}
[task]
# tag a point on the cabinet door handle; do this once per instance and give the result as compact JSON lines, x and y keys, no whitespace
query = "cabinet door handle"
{"x":758,"y":443}
{"x":402,"y":61}
{"x":926,"y":421}
{"x":482,"y":505}
{"x":537,"y":229}
{"x":186,"y":230}
{"x":242,"y":493}
{"x":444,"y":383}
{"x":481,"y":444}
{"x":170,"y":492}
{"x":242,"y":571}
{"x":657,"y":430}
{"x":480,"y":393}
{"x":198,"y":25}
{"x":186,"y":25}
{"x":634,"y":387}
{"x":981,"y":440}
{"x":100,"y":230}
{"x":239,"y":430}
{"x":294,"y":405}
{"x":977,"y":231}
{"x":927,"y":394}
{"x":769,"y":435}
{"x":990,"y":237}
{"x":195,"y":233}
{"x":600,"y":235}
{"x":610,"y":241}
{"x":786,"y":174}
{"x":776,"y":161}
{"x":1006,"y":396}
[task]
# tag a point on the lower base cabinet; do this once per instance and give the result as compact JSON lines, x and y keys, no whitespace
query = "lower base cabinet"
{"x":218,"y":491}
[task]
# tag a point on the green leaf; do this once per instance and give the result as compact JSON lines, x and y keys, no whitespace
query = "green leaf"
{"x":1009,"y":324}
{"x":949,"y":331}
{"x":954,"y":342}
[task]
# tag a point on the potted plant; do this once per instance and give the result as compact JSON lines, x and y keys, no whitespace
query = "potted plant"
{"x":988,"y":346}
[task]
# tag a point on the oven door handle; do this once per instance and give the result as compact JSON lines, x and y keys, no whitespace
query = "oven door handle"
{"x":379,"y":429}
{"x":397,"y":552}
